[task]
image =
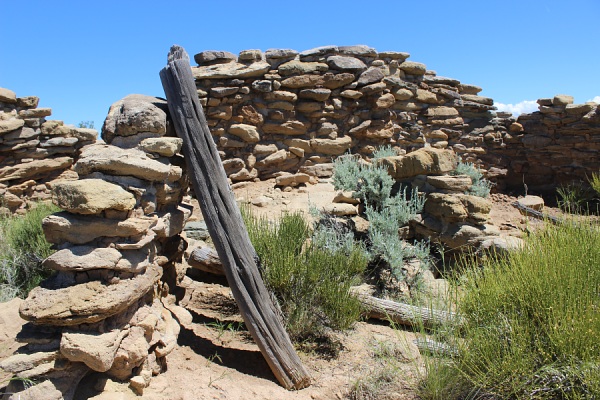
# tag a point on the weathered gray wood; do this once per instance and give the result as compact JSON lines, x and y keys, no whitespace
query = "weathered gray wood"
{"x":207,"y":260}
{"x":536,"y":214}
{"x":403,"y":314}
{"x":225,"y":224}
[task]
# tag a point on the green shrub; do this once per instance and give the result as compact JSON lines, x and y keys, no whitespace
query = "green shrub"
{"x":383,"y":151}
{"x":22,"y":249}
{"x":480,"y":186}
{"x":310,"y":279}
{"x":575,"y":198}
{"x":595,"y":183}
{"x":532,"y":322}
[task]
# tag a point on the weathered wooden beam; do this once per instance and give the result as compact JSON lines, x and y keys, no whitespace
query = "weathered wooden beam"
{"x":403,"y":314}
{"x":207,"y":260}
{"x":528,"y":211}
{"x":225,"y":224}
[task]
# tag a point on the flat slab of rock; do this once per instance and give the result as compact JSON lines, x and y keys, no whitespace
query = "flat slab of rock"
{"x":83,"y":258}
{"x":535,"y":202}
{"x":231,"y":70}
{"x":87,"y":302}
{"x":65,"y":227}
{"x":340,"y":209}
{"x":34,"y":168}
{"x":454,"y":183}
{"x":116,"y":161}
{"x":91,"y":196}
{"x":165,"y":146}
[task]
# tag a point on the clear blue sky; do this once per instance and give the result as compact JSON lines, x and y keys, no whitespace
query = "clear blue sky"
{"x":81,"y":56}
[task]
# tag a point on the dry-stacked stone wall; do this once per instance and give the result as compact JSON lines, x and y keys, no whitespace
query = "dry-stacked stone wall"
{"x":108,"y":308}
{"x":556,"y":145}
{"x":34,"y":152}
{"x":283,"y":111}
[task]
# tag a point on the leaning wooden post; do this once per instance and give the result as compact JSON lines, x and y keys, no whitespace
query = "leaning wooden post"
{"x":225,"y":224}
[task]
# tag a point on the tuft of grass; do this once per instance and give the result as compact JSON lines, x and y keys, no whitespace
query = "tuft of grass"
{"x":531,"y":322}
{"x":23,"y":247}
{"x":575,"y":198}
{"x":309,"y":279}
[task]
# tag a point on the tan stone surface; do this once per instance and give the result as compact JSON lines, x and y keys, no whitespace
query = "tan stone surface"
{"x":91,"y":196}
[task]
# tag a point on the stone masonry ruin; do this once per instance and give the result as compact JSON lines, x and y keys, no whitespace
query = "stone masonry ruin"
{"x":281,"y":114}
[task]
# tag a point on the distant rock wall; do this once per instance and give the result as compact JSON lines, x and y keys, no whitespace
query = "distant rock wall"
{"x":34,"y":152}
{"x":285,"y":111}
{"x":556,"y":145}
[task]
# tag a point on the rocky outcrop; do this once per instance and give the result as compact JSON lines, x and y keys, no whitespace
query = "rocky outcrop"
{"x":34,"y":152}
{"x":107,"y":307}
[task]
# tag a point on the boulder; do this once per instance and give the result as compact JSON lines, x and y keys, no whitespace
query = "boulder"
{"x":562,"y":100}
{"x":86,"y":302}
{"x":371,"y":75}
{"x":133,"y":114}
{"x":413,"y":68}
{"x":91,"y":196}
{"x":291,"y":179}
{"x":425,"y":161}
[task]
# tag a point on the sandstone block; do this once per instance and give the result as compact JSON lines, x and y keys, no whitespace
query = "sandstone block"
{"x":10,"y":125}
{"x":385,"y":101}
{"x":331,"y":146}
{"x":292,"y":179}
{"x":350,"y":64}
{"x":7,"y":96}
{"x":413,"y":68}
{"x":562,"y":100}
{"x":34,"y":168}
{"x":351,"y":94}
{"x":211,"y":57}
{"x":165,"y":146}
{"x":296,"y":67}
{"x":304,"y":81}
{"x":453,"y":183}
{"x":96,"y":350}
{"x":287,"y":128}
{"x":82,"y":258}
{"x":315,"y":94}
{"x":371,"y":75}
{"x":247,"y":133}
{"x":535,"y":202}
{"x":65,"y":227}
{"x":232,"y":70}
{"x":91,"y":196}
{"x":441,"y":112}
{"x":87,"y":302}
{"x":334,"y":81}
{"x":116,"y":161}
{"x":340,"y":209}
{"x":425,"y":161}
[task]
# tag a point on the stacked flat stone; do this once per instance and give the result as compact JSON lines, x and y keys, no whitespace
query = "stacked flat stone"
{"x":34,"y":152}
{"x":285,"y":111}
{"x":107,"y":309}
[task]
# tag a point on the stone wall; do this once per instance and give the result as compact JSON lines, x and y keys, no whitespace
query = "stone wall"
{"x":110,"y":306}
{"x":34,"y":152}
{"x":556,"y":145}
{"x":290,"y":111}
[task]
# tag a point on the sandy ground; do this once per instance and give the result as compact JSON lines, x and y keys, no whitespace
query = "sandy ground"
{"x":217,"y":360}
